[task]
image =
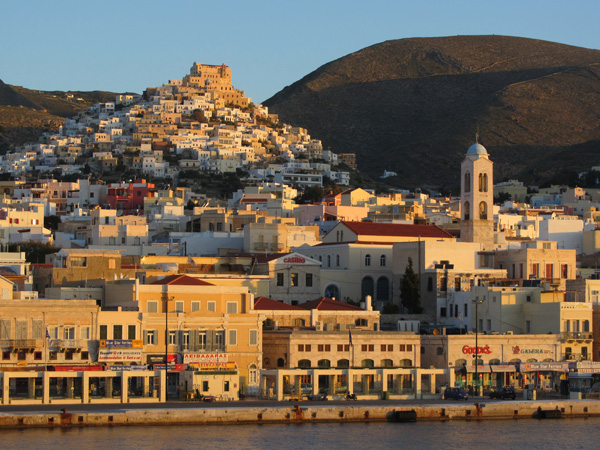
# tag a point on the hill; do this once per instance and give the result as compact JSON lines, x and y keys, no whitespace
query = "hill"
{"x":414,"y":106}
{"x":25,"y":114}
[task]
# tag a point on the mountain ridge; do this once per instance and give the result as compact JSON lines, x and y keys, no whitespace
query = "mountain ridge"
{"x":415,"y":105}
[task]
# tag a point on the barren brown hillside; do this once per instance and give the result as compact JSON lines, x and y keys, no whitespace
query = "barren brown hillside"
{"x":414,"y":106}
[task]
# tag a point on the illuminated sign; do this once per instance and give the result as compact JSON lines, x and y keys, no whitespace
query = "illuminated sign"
{"x":294,"y":260}
{"x":467,"y":350}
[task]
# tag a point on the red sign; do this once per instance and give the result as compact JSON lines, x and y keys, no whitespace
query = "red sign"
{"x":480,"y":350}
{"x":294,"y":260}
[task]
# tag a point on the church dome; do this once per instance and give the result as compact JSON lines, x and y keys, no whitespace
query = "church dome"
{"x":477,"y":149}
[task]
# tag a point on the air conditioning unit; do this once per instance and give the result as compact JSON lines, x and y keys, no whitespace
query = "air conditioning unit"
{"x":319,"y":326}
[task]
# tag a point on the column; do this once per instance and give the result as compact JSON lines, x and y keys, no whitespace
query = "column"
{"x":350,"y":381}
{"x":384,"y":380}
{"x":365,"y":384}
{"x":46,"y":388}
{"x":163,"y":386}
{"x":125,"y":387}
{"x":417,"y":383}
{"x":279,"y":386}
{"x":331,"y":385}
{"x":432,"y":387}
{"x":315,"y":382}
{"x":146,"y":386}
{"x":6,"y":389}
{"x":85,"y":387}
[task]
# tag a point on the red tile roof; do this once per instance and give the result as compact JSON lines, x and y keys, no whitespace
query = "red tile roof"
{"x":328,"y":304}
{"x":396,"y":229}
{"x":182,"y":280}
{"x":268,"y":304}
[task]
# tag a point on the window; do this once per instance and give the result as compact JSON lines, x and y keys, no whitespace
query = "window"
{"x":152,"y":307}
{"x":195,"y":306}
{"x":279,"y":279}
{"x":367,"y":260}
{"x":150,"y":337}
{"x":76,"y":261}
{"x":201,"y":340}
{"x":309,"y":280}
{"x":300,"y":347}
{"x":6,"y":355}
{"x":564,"y":270}
{"x":117,"y":331}
{"x":467,"y":186}
{"x":253,"y":339}
{"x":294,"y":279}
{"x":69,"y":355}
{"x":37,"y":356}
{"x":85,"y":356}
{"x":440,"y":351}
{"x":337,"y":260}
{"x":52,"y":356}
{"x":382,"y":260}
{"x":328,"y":260}
{"x":232,"y":337}
{"x":211,"y":306}
{"x":466,"y":310}
{"x":489,"y":324}
{"x":179,"y":307}
{"x":205,"y":385}
{"x":409,"y":347}
{"x":131,"y":332}
{"x":527,"y":326}
{"x":232,"y":308}
{"x":103,"y":331}
{"x":535,"y":270}
{"x":226,"y":386}
{"x":172,"y":337}
{"x":430,"y":284}
{"x":69,"y":333}
{"x":253,"y":373}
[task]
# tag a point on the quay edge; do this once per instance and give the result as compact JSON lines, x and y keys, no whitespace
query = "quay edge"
{"x":303,"y":413}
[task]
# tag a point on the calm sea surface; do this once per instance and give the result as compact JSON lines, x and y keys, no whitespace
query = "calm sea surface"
{"x":523,"y":434}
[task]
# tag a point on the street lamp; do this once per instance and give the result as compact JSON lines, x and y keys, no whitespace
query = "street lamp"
{"x":477,"y":301}
{"x":167,"y":299}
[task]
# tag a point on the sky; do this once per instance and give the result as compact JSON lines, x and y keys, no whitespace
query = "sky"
{"x":129,"y":45}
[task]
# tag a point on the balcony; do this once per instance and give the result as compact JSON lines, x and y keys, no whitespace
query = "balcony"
{"x":577,"y":357}
{"x":68,"y":344}
{"x":576,"y":336}
{"x":18,"y":344}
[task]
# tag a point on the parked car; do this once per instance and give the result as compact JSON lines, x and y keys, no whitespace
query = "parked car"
{"x":507,"y":392}
{"x":455,"y":394}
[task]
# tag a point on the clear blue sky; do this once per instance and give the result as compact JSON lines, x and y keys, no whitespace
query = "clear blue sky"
{"x":128,"y":45}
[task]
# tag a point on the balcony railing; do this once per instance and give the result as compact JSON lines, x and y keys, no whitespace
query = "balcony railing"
{"x":576,"y":336}
{"x":577,"y":357}
{"x":20,"y":343}
{"x":68,"y":343}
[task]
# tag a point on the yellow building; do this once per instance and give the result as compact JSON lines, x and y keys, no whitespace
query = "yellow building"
{"x":205,"y":325}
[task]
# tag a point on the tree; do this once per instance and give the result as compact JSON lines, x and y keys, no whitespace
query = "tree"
{"x":409,"y":290}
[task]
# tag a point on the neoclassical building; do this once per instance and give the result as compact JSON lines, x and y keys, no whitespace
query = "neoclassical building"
{"x":477,"y":197}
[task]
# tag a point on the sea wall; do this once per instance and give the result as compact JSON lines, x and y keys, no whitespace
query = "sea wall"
{"x":298,"y":413}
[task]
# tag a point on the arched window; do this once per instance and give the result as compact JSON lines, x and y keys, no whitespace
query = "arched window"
{"x":467,"y":182}
{"x":405,"y":363}
{"x":332,"y":291}
{"x":387,"y":363}
{"x":324,"y":364}
{"x":383,"y":289}
{"x":268,"y":324}
{"x":280,"y":362}
{"x":467,"y":211}
{"x":367,"y":363}
{"x":252,"y":374}
{"x":485,"y":182}
{"x":343,"y":363}
{"x":460,"y":362}
{"x":367,"y":260}
{"x":367,"y":287}
{"x":483,"y":214}
{"x":382,"y":260}
{"x":480,"y":182}
{"x":298,"y":322}
{"x":304,"y":364}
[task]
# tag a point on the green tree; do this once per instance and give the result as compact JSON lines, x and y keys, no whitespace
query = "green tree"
{"x":409,"y":290}
{"x":35,"y":252}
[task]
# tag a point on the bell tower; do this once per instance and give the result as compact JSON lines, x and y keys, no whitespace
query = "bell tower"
{"x":477,"y":197}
